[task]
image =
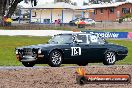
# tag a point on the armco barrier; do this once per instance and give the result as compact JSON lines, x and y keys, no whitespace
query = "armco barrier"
{"x":32,"y":32}
{"x":118,"y":35}
{"x":112,"y":34}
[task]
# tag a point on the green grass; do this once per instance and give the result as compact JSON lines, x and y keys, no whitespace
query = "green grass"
{"x":128,"y":44}
{"x":9,"y":43}
{"x":36,"y":27}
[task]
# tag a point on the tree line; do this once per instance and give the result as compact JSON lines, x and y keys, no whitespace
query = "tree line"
{"x":7,"y":7}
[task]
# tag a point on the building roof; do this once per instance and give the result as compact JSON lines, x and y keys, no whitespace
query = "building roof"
{"x":104,"y":5}
{"x":59,"y":5}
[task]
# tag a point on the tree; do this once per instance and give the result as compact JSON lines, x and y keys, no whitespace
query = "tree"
{"x":17,"y":11}
{"x":8,"y":7}
{"x":74,"y":3}
{"x":120,"y":0}
{"x":66,"y":1}
{"x":85,"y":3}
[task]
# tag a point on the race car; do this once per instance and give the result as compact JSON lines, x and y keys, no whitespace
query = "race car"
{"x":71,"y":48}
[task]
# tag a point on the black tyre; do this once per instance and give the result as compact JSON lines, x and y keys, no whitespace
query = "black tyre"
{"x":28,"y":64}
{"x":110,"y":58}
{"x":55,"y":58}
{"x":81,"y":80}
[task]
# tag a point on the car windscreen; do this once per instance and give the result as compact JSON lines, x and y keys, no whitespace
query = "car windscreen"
{"x":61,"y":39}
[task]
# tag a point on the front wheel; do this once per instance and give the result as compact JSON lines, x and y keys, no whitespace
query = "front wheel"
{"x":55,"y":58}
{"x":110,"y":58}
{"x":28,"y":64}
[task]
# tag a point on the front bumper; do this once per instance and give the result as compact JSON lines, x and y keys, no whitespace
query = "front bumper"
{"x":29,"y":58}
{"x":121,"y":56}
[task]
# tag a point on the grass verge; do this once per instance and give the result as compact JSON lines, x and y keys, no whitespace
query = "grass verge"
{"x":57,"y":27}
{"x":9,"y":43}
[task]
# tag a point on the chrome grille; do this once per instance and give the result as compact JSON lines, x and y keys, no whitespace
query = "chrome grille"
{"x":27,"y":51}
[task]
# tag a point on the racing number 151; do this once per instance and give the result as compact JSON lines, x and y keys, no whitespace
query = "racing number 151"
{"x":75,"y":51}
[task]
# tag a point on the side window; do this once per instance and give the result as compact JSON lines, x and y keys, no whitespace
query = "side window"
{"x":101,"y":11}
{"x":100,"y":40}
{"x":93,"y":39}
{"x":125,"y":10}
{"x":34,"y":14}
{"x":83,"y":38}
{"x":95,"y":11}
{"x":96,"y":40}
{"x":111,"y":10}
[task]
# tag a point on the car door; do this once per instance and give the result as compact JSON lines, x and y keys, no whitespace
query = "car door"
{"x":71,"y":50}
{"x":96,"y":47}
{"x":80,"y":49}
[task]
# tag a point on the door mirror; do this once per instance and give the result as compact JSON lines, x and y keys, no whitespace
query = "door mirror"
{"x":79,"y":41}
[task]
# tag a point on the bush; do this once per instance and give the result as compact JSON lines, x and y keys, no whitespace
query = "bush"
{"x":128,"y":16}
{"x":121,"y":20}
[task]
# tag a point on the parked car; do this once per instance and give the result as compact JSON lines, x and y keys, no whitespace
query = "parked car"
{"x":72,"y":22}
{"x":87,"y":21}
{"x":72,"y":48}
{"x":16,"y":18}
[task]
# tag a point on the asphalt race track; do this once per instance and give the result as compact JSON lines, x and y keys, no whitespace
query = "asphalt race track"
{"x":48,"y":67}
{"x":57,"y":77}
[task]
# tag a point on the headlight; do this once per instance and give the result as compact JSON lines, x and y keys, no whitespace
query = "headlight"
{"x":39,"y":51}
{"x":17,"y":52}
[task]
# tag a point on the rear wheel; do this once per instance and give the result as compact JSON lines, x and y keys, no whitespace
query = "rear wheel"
{"x":55,"y":58}
{"x":28,"y":64}
{"x":110,"y":58}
